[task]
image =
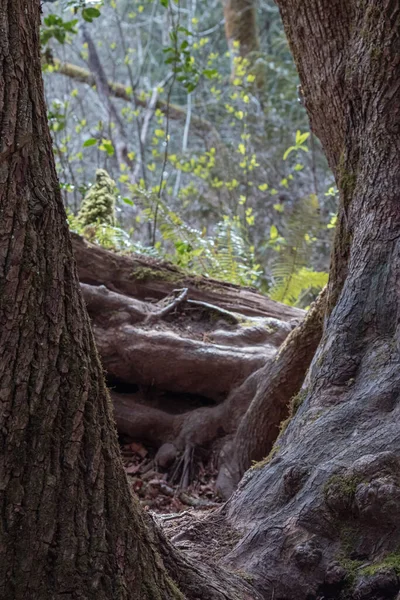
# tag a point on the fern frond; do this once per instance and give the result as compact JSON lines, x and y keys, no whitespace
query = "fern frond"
{"x":300,"y":282}
{"x":293,"y":257}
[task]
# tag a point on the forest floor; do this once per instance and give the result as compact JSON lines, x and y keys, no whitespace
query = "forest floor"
{"x":159,"y":489}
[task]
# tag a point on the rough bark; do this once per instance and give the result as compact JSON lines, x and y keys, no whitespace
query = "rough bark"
{"x":176,"y":366}
{"x":322,"y":519}
{"x":69,"y":527}
{"x":200,"y":350}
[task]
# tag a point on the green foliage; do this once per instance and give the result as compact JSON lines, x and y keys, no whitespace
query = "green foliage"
{"x":291,"y":274}
{"x":108,"y":236}
{"x":391,"y":561}
{"x":226,"y":255}
{"x":292,"y":289}
{"x":56,"y":27}
{"x":182,"y":61}
{"x":90,"y":13}
{"x":299,"y":145}
{"x":208,"y":171}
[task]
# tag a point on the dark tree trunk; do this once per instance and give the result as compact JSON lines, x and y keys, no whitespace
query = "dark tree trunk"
{"x":69,"y":527}
{"x":322,"y":519}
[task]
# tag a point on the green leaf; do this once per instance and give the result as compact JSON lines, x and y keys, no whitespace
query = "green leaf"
{"x":210,"y":73}
{"x":190,"y":87}
{"x":107,"y":146}
{"x":288,"y":151}
{"x":164,"y":3}
{"x":89,"y":142}
{"x":184,"y":30}
{"x":52,"y":20}
{"x":90,"y":13}
{"x":301,"y":137}
{"x":273,"y":233}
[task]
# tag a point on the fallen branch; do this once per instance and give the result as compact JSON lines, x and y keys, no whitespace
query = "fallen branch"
{"x":163,"y":312}
{"x":201,"y":127}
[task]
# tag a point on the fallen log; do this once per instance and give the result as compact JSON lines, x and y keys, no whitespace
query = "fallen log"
{"x":143,"y":278}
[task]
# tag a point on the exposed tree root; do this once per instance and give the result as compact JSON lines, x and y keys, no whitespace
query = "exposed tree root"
{"x":186,"y":356}
{"x":278,"y":382}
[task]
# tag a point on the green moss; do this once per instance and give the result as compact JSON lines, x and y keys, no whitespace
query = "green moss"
{"x":348,"y":183}
{"x":316,"y":416}
{"x":391,"y":561}
{"x":145,"y":273}
{"x":346,"y":180}
{"x":262,"y":463}
{"x":344,"y":484}
{"x":375,"y":53}
{"x":244,"y":575}
{"x":297,"y":401}
{"x":348,"y":540}
{"x":352,"y":568}
{"x":294,"y":406}
{"x":175,"y":590}
{"x":98,"y":205}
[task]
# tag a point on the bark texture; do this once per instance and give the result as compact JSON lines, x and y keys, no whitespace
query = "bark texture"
{"x":322,"y":519}
{"x":69,"y":527}
{"x":143,"y":278}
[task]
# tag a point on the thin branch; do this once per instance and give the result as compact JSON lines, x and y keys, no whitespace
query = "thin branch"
{"x":203,"y":128}
{"x":104,"y":91}
{"x":163,"y":312}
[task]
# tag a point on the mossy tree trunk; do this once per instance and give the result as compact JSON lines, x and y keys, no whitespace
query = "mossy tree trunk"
{"x":69,"y":527}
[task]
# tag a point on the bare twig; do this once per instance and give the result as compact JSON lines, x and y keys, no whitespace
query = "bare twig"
{"x":163,"y":312}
